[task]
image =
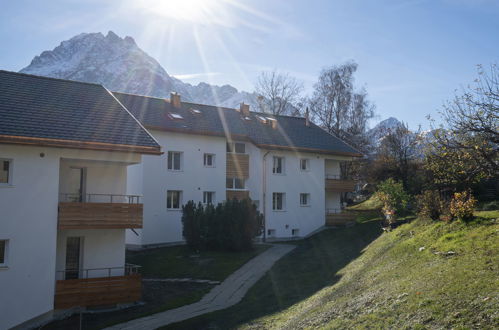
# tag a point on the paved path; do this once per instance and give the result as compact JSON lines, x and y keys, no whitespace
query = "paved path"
{"x":229,"y":293}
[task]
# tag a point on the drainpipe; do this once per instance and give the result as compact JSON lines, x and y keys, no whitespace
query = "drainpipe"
{"x":264,"y":185}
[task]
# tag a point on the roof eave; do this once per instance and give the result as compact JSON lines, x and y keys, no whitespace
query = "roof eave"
{"x":73,"y":144}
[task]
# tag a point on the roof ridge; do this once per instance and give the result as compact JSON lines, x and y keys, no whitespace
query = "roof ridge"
{"x":49,"y":78}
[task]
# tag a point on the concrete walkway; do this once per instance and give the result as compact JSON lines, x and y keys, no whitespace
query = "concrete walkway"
{"x":228,"y":293}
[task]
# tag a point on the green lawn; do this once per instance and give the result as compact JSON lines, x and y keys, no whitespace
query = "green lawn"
{"x":422,"y":275}
{"x":181,"y":262}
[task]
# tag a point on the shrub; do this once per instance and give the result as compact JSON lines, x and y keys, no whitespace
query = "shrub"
{"x":230,"y":226}
{"x":394,"y":198}
{"x":430,"y":205}
{"x":462,"y":206}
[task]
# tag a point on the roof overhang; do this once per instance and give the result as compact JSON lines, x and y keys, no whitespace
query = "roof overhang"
{"x":73,"y":144}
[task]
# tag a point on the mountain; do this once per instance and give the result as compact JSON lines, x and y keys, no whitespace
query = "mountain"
{"x":378,"y":132}
{"x":120,"y":65}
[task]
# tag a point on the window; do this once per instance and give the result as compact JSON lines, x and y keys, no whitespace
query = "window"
{"x":209,"y":197}
{"x":175,"y":115}
{"x":278,"y":165}
{"x":304,"y":199}
{"x":3,"y":252}
{"x":234,"y":183}
{"x":238,"y":148}
{"x":271,"y":232}
{"x":174,"y":160}
{"x":209,"y":160}
{"x":173,"y":199}
{"x":195,"y":111}
{"x":304,"y":164}
{"x":278,"y":201}
{"x":5,"y":171}
{"x":295,"y":232}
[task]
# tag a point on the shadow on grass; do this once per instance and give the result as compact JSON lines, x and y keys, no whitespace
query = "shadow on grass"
{"x":313,"y":265}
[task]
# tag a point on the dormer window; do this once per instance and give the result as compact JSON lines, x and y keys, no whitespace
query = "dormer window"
{"x":175,"y":116}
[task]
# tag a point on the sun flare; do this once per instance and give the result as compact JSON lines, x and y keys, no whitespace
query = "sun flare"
{"x":194,"y":11}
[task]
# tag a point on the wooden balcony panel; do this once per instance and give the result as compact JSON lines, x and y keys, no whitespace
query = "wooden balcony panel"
{"x":99,"y":215}
{"x":339,"y":185}
{"x":99,"y":291}
{"x":237,"y":166}
{"x":237,"y":194}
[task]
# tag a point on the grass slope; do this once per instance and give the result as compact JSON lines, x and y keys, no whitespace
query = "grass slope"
{"x":358,"y":278}
{"x":182,"y":262}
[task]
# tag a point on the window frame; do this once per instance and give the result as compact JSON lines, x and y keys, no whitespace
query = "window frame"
{"x":275,"y":202}
{"x":271,"y":233}
{"x":308,"y":199}
{"x":307,"y":167}
{"x":295,"y":232}
{"x":213,"y":158}
{"x":181,"y":161}
{"x":233,"y":180}
{"x":232,"y":148}
{"x":282,"y":165}
{"x":5,"y":263}
{"x":169,"y":199}
{"x":213,"y":197}
{"x":10,"y":173}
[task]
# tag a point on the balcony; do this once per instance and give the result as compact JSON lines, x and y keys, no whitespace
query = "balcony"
{"x":338,"y":217}
{"x":237,"y":165}
{"x":99,"y":211}
{"x":120,"y":285}
{"x":237,"y":194}
{"x":335,"y":183}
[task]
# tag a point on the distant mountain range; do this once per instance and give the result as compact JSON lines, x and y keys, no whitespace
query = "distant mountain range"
{"x":120,"y":65}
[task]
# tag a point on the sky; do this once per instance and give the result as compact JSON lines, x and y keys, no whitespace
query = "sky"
{"x":413,"y":55}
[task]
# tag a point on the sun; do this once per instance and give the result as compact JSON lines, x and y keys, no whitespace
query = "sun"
{"x":204,"y":12}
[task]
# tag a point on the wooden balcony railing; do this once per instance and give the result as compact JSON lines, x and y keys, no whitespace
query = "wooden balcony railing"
{"x":237,"y":194}
{"x":337,"y":183}
{"x":237,"y":165}
{"x":99,"y":291}
{"x":338,"y":217}
{"x":99,"y":211}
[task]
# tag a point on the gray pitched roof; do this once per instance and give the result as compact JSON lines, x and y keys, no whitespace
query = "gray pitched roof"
{"x":47,"y":109}
{"x":291,"y":132}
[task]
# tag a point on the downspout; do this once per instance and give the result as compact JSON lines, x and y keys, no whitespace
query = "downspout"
{"x":264,"y":185}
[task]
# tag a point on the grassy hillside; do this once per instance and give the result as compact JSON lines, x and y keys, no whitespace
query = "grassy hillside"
{"x":421,"y":275}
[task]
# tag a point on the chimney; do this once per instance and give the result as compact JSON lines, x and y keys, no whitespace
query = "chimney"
{"x":307,"y":118}
{"x":273,"y":123}
{"x":175,"y":99}
{"x":244,"y":109}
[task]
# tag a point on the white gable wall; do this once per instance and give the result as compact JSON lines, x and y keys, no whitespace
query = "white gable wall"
{"x":28,"y":219}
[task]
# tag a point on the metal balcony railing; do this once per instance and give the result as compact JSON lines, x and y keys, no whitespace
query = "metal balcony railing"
{"x":128,"y":269}
{"x":99,"y":198}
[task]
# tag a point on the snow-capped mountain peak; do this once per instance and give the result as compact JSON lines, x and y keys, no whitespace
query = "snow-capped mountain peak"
{"x":120,"y":65}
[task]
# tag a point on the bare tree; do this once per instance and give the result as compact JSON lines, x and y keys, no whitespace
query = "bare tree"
{"x":338,"y":108}
{"x":278,"y":92}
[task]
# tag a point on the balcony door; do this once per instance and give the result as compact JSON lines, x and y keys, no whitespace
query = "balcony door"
{"x":73,"y":257}
{"x":76,"y":184}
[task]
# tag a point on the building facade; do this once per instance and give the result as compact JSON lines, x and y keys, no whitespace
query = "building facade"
{"x":286,"y":165}
{"x":63,"y":203}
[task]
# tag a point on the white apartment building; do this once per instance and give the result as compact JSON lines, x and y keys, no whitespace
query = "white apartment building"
{"x":65,"y":149}
{"x":288,"y":166}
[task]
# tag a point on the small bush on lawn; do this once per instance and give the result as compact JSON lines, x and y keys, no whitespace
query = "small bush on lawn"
{"x":394,"y":198}
{"x":430,"y":205}
{"x":229,"y":226}
{"x":462,"y":206}
{"x":490,"y":206}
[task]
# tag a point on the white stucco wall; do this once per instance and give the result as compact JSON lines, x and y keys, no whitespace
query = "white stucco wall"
{"x":293,"y":182}
{"x":102,"y":248}
{"x":162,"y":225}
{"x":28,"y":219}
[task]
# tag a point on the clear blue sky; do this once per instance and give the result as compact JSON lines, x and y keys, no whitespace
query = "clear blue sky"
{"x":412,"y":54}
